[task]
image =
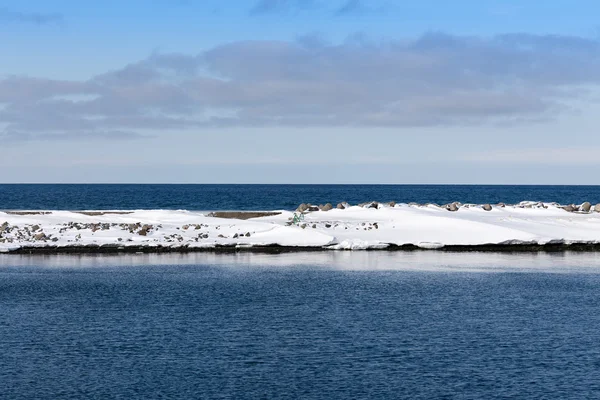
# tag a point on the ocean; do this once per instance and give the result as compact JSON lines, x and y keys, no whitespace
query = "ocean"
{"x":272,"y":197}
{"x":307,"y":326}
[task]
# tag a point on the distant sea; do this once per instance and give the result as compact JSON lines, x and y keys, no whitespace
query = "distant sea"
{"x":270,"y":197}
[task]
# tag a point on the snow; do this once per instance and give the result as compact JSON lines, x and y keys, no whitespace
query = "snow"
{"x":353,"y":228}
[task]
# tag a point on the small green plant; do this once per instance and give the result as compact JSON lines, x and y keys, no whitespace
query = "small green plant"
{"x":298,"y":217}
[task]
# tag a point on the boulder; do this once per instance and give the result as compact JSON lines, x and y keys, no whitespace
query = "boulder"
{"x":374,"y":205}
{"x":327,"y":207}
{"x":569,"y":208}
{"x":451,"y":207}
{"x":597,"y":207}
{"x":144,"y":230}
{"x":40,"y":236}
{"x":392,"y":204}
{"x":302,"y":207}
{"x":487,"y":207}
{"x":313,"y":208}
{"x":340,"y":206}
{"x":586,"y":207}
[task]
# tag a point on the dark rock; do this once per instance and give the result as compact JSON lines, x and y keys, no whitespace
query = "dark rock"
{"x":374,"y":205}
{"x":313,"y":208}
{"x":327,"y":225}
{"x":247,"y":234}
{"x":235,"y":236}
{"x":242,"y":214}
{"x":487,"y":207}
{"x":314,"y":226}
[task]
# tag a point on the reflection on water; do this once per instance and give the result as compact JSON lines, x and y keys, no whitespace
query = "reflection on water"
{"x":560,"y":262}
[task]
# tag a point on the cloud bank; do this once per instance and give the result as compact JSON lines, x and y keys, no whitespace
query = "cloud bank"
{"x":435,"y":79}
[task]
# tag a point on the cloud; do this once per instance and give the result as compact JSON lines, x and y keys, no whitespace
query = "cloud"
{"x":435,"y":79}
{"x":278,"y":6}
{"x":350,"y":6}
{"x":30,"y":17}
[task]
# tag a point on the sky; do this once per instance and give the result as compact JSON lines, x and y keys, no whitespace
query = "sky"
{"x":300,"y":91}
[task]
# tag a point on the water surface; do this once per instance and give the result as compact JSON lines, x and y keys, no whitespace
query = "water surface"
{"x":315,"y":325}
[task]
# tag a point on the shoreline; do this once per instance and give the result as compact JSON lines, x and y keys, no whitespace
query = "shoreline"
{"x":278,"y":249}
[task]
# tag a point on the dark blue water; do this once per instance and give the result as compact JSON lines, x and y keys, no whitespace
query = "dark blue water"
{"x":262,"y":197}
{"x":306,"y":331}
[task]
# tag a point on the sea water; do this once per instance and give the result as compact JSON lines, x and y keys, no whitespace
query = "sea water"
{"x":344,"y":325}
{"x":272,"y":197}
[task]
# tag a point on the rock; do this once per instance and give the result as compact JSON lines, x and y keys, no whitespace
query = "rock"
{"x":487,"y":207}
{"x":4,"y":226}
{"x":313,"y":208}
{"x":247,"y":234}
{"x":327,"y":207}
{"x":451,"y":207}
{"x":327,"y":225}
{"x":144,"y":230}
{"x":314,"y":226}
{"x":597,"y":207}
{"x":586,"y":207}
{"x":502,"y":205}
{"x":340,"y":206}
{"x":374,"y":205}
{"x":302,"y":207}
{"x":303,"y":226}
{"x":392,"y":204}
{"x":35,"y":228}
{"x":40,"y":236}
{"x":569,"y":208}
{"x":235,"y":236}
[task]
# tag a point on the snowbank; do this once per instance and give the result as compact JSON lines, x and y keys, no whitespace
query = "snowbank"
{"x":356,"y":227}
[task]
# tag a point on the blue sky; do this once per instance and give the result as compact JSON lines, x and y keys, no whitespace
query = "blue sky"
{"x":304,"y":91}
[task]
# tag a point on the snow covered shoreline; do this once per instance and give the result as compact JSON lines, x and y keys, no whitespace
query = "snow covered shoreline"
{"x":370,"y":226}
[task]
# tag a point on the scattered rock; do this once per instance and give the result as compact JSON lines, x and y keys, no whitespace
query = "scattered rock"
{"x":586,"y":207}
{"x":487,"y":207}
{"x":247,"y":234}
{"x":314,"y":226}
{"x":327,"y":225}
{"x":597,"y":207}
{"x":340,"y":206}
{"x":374,"y":205}
{"x":313,"y":208}
{"x":235,"y":236}
{"x":392,"y":204}
{"x":570,"y":208}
